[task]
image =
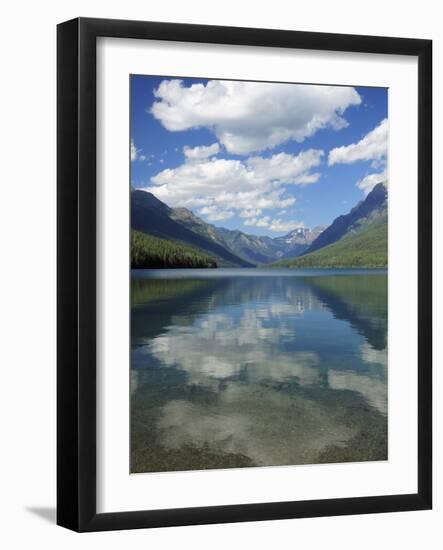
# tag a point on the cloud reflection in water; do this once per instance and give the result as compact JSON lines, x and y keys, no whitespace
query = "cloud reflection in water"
{"x":261,"y":369}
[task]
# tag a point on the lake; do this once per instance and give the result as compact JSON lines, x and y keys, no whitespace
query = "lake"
{"x":236,"y":368}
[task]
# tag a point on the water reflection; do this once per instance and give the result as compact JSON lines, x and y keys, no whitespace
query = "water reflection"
{"x":248,"y":369}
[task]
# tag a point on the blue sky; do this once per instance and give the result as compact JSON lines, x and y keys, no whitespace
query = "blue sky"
{"x":259,"y":157}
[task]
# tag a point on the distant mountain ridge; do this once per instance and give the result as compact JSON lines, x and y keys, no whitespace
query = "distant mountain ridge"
{"x":229,"y":247}
{"x":367,"y":210}
{"x":252,"y":248}
{"x":365,"y":248}
{"x":298,"y":240}
{"x":151,"y":216}
{"x":357,"y":239}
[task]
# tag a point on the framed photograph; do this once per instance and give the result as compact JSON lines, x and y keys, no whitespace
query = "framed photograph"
{"x":244,"y":274}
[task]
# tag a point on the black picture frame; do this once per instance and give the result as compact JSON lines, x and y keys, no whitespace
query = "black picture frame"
{"x":76,"y":265}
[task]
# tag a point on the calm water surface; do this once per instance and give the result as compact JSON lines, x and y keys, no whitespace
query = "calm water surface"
{"x":251,"y":367}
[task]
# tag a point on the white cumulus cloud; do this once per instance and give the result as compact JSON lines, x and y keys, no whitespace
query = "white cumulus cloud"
{"x":214,"y":215}
{"x":278,"y":225}
{"x":201,"y":152}
{"x":368,"y":183}
{"x":250,"y":213}
{"x":134,"y":151}
{"x":263,"y":222}
{"x":285,"y":226}
{"x":373,"y":146}
{"x":252,"y":116}
{"x":219,"y":187}
{"x":287,"y":168}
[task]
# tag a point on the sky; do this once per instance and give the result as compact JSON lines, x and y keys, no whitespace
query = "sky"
{"x":264,"y":158}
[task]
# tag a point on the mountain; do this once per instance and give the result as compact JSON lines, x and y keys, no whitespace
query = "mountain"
{"x":153,"y":217}
{"x":367,"y":210}
{"x":299,"y":240}
{"x":197,"y":225}
{"x":366,"y":246}
{"x":259,"y":250}
{"x":228,"y":247}
{"x":357,"y":239}
{"x":252,"y":248}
